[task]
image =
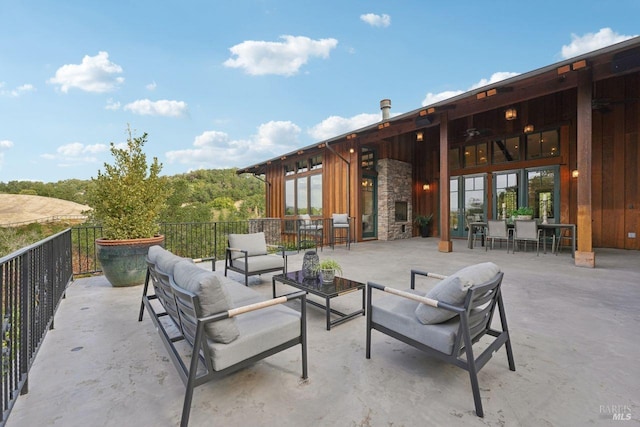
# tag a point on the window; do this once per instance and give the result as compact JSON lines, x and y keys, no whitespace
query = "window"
{"x":542,"y":145}
{"x":475,"y":155}
{"x":368,"y":160}
{"x":506,"y":191}
{"x":506,"y":150}
{"x":541,"y":185}
{"x":303,"y":187}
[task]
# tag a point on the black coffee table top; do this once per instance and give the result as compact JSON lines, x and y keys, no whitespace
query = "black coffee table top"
{"x":340,"y":285}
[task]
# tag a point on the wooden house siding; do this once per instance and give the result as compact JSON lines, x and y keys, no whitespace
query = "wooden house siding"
{"x":549,"y":99}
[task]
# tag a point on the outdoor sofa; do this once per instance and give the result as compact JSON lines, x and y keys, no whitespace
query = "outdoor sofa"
{"x":226,"y":325}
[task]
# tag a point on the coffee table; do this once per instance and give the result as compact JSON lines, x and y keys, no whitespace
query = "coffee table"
{"x":340,"y":286}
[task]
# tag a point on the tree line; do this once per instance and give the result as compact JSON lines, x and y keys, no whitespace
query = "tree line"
{"x":198,"y":196}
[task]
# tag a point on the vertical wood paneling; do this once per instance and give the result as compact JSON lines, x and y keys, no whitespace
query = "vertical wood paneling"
{"x":613,"y":162}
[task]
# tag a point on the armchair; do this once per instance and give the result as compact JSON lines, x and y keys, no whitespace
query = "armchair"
{"x":527,"y":231}
{"x":248,"y":255}
{"x":448,"y":321}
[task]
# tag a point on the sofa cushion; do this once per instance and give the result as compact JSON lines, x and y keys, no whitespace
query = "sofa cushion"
{"x":213,"y":298}
{"x":260,"y":330}
{"x":253,"y":243}
{"x":164,"y":260}
{"x":453,"y":290}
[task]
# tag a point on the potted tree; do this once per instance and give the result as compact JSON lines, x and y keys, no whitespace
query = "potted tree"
{"x":422,"y":221}
{"x":126,"y":199}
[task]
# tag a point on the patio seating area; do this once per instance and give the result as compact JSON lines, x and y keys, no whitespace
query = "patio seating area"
{"x":573,"y":331}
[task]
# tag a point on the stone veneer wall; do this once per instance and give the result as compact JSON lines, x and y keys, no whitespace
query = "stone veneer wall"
{"x":394,"y":185}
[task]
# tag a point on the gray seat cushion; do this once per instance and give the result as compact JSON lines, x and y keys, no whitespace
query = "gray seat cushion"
{"x":453,"y":290}
{"x":260,"y":330}
{"x":259,"y":263}
{"x":253,"y":243}
{"x":398,"y":314}
{"x":213,"y":298}
{"x":164,"y":260}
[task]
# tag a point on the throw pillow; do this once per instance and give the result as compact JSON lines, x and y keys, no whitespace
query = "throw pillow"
{"x":213,"y":298}
{"x":453,"y":290}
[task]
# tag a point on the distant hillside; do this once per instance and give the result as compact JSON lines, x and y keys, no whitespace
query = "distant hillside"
{"x":19,"y":209}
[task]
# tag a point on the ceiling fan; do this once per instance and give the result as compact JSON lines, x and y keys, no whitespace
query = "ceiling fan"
{"x":471,"y":133}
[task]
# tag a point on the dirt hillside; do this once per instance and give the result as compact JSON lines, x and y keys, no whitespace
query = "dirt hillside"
{"x":18,"y":208}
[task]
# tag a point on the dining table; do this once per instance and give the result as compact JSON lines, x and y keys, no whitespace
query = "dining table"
{"x":546,"y":228}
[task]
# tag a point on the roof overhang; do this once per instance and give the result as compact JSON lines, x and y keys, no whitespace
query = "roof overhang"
{"x":615,"y":60}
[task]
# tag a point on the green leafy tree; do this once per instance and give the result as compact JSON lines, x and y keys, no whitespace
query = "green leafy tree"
{"x":129,"y":196}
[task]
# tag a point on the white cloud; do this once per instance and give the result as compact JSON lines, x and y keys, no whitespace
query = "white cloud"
{"x":335,"y":125}
{"x":76,"y":153}
{"x":432,"y":98}
{"x":112,"y":105}
{"x":163,"y":107}
{"x":94,"y":74}
{"x":17,"y":91}
{"x":374,"y":20}
{"x":151,"y":86}
{"x":5,"y":143}
{"x":591,"y":41}
{"x":280,"y":58}
{"x":214,"y":149}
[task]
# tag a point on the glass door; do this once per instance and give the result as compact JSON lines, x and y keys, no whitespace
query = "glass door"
{"x":369,"y":207}
{"x":467,"y":201}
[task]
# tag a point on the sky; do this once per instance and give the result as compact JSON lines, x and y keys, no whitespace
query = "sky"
{"x":220,"y":84}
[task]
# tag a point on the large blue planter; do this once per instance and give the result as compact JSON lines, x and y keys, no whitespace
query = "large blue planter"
{"x":123,"y":261}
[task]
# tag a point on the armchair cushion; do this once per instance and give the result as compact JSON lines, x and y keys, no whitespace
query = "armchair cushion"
{"x":398,"y":314}
{"x":259,"y":263}
{"x":253,"y":243}
{"x":340,"y":219}
{"x":453,"y":290}
{"x":213,"y":298}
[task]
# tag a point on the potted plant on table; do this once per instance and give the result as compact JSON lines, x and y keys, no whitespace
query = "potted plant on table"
{"x":327,"y":269}
{"x":127,"y":199}
{"x":423,"y":221}
{"x":523,"y":212}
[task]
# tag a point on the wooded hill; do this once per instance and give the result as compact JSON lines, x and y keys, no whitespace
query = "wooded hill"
{"x":202,"y":195}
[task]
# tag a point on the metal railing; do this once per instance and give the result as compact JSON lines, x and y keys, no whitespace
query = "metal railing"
{"x":34,"y":280}
{"x":192,"y":240}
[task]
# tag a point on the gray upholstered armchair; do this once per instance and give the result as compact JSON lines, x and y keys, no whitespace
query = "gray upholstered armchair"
{"x":248,"y":254}
{"x":447,"y":321}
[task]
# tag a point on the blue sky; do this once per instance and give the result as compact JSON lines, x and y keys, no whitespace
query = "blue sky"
{"x":220,"y":84}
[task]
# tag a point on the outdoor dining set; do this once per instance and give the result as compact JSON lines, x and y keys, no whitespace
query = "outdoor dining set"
{"x":519,"y":232}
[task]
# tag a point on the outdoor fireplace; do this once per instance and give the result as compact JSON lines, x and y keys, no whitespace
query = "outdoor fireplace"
{"x":401,"y":211}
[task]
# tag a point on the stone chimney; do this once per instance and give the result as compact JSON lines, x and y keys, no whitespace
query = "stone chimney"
{"x":385,"y":106}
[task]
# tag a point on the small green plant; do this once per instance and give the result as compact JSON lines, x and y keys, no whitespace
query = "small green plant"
{"x":328,"y":264}
{"x":423,"y":220}
{"x":523,"y":210}
{"x":128,"y":197}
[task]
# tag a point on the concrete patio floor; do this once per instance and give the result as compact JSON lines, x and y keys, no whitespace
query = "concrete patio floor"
{"x":575,"y":334}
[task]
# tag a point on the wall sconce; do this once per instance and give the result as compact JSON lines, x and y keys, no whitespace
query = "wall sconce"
{"x":528,"y":129}
{"x":426,"y":186}
{"x":351,"y":150}
{"x":575,"y":173}
{"x":419,"y":136}
{"x":511,"y":114}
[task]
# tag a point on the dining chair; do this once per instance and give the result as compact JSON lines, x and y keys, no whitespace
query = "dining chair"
{"x":526,"y":231}
{"x":497,"y":230}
